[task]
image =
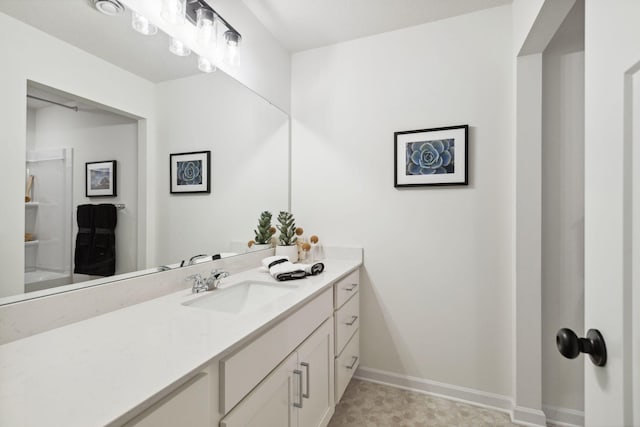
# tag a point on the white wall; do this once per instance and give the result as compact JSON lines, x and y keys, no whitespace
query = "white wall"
{"x":436,"y":294}
{"x":44,"y":59}
{"x":97,"y":135}
{"x":249,"y":143}
{"x":563,"y":208}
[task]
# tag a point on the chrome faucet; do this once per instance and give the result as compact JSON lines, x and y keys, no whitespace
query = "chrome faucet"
{"x":213,"y":281}
{"x":210,"y":283}
{"x":194,"y":258}
{"x":199,"y":285}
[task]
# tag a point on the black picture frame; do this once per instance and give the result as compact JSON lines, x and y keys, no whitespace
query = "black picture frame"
{"x":190,"y":172}
{"x":101,"y":179}
{"x":431,"y":157}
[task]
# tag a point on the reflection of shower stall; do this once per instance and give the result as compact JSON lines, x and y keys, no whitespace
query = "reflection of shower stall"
{"x":48,"y":218}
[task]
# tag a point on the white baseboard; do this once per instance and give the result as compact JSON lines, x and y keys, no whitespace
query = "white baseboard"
{"x":563,"y":417}
{"x":558,"y":417}
{"x":528,"y":416}
{"x":438,"y":389}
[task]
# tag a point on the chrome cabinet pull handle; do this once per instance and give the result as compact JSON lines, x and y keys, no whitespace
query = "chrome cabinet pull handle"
{"x":352,"y":288}
{"x":353,"y":320}
{"x":298,"y":372}
{"x":308,"y":393}
{"x":355,"y":360}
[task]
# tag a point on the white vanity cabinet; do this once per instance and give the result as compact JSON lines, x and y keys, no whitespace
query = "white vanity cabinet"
{"x":291,"y":375}
{"x":303,"y":389}
{"x":298,"y":392}
{"x":347,"y":335}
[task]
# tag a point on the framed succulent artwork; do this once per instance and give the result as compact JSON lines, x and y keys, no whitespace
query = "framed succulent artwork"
{"x":190,"y":172}
{"x":435,"y":156}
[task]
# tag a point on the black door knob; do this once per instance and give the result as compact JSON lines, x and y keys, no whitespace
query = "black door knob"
{"x":571,"y":346}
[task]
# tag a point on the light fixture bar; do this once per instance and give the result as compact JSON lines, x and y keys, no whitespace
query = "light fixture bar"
{"x":194,"y":5}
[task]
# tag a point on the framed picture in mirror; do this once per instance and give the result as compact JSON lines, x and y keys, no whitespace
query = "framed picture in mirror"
{"x":190,"y":172}
{"x":101,"y":179}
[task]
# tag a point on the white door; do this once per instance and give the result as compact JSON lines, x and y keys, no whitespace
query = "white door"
{"x":612,"y":188}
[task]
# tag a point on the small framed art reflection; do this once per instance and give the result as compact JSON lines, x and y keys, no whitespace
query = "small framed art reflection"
{"x":190,"y":172}
{"x":101,"y":179}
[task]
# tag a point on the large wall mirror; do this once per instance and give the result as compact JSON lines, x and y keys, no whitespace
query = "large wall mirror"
{"x":164,"y":107}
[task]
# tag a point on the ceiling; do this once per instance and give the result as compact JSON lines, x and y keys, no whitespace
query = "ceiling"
{"x":297,"y":24}
{"x":307,"y":24}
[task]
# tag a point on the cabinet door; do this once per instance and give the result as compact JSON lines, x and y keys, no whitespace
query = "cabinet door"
{"x":271,"y":404}
{"x":315,"y":360}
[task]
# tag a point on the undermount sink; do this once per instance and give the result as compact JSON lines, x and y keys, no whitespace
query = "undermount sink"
{"x":240,"y":298}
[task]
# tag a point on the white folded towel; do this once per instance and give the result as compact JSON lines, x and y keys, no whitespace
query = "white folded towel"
{"x":282,"y":269}
{"x":312,"y":269}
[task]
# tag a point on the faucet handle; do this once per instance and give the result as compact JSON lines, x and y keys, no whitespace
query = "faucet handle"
{"x":197,"y":278}
{"x":219,"y":274}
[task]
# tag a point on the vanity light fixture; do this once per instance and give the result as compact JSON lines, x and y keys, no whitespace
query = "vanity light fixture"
{"x":109,"y":7}
{"x":192,"y":25}
{"x":142,"y":24}
{"x":212,"y":29}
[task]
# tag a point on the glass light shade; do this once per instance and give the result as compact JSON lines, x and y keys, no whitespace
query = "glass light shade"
{"x":142,"y":24}
{"x":232,"y":38}
{"x":178,"y":48}
{"x":173,"y":11}
{"x":206,"y":25}
{"x":205,"y":65}
{"x":232,"y":47}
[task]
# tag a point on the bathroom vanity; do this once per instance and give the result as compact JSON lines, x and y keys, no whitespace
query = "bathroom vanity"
{"x":237,"y":356}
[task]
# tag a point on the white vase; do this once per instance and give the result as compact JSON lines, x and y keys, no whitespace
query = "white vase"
{"x":290,"y":251}
{"x":257,"y":247}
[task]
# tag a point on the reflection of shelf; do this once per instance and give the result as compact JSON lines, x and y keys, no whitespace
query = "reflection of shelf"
{"x":32,"y":204}
{"x":32,"y":243}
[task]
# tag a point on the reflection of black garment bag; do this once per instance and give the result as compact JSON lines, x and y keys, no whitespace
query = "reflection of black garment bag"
{"x":96,"y":240}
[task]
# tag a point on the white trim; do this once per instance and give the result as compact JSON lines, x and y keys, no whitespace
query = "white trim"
{"x":563,"y":417}
{"x":528,"y":416}
{"x":433,"y":388}
{"x":558,"y":417}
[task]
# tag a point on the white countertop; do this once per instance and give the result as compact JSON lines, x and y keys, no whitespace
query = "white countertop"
{"x":93,"y":372}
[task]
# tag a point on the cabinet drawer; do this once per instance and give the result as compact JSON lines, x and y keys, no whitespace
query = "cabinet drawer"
{"x":242,"y":371}
{"x":346,"y":364}
{"x":347,"y":322}
{"x":346,"y":288}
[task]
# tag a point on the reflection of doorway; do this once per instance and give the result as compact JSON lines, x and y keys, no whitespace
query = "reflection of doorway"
{"x":93,"y":133}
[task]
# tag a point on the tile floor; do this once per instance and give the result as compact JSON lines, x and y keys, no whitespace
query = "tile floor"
{"x":367,"y":404}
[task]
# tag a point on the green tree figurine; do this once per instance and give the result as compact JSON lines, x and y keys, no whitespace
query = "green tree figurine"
{"x":265,"y":231}
{"x":287,"y":229}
